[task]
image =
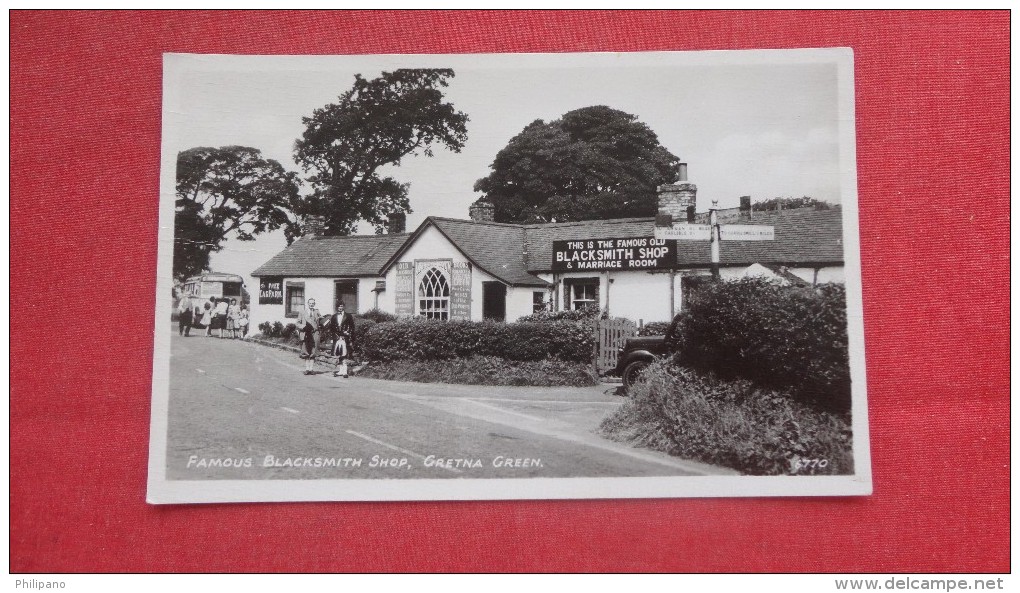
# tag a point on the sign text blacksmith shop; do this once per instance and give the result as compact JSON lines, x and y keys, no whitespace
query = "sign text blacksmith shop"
{"x":645,"y":253}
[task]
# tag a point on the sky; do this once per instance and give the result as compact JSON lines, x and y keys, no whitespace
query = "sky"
{"x":764,"y":124}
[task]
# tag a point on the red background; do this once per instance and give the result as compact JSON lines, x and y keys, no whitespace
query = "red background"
{"x":933,"y":166}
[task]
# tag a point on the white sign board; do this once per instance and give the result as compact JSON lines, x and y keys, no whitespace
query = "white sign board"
{"x":685,"y":232}
{"x":727,"y":232}
{"x":747,"y":232}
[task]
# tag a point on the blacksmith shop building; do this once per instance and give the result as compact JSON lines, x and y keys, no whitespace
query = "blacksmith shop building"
{"x":479,"y":269}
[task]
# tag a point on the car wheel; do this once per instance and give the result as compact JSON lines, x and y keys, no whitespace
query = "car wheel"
{"x":633,"y":372}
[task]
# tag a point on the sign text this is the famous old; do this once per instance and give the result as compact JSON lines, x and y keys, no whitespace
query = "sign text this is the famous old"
{"x":642,"y":253}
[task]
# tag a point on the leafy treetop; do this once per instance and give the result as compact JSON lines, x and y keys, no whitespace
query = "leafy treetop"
{"x":376,"y":123}
{"x":592,"y":163}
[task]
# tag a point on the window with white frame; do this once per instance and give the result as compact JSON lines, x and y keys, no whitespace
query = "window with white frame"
{"x":434,"y":295}
{"x":581,"y":293}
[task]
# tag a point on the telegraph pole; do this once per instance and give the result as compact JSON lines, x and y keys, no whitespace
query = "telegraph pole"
{"x":713,"y":223}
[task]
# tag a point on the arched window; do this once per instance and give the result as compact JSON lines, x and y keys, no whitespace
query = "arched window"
{"x":434,"y":295}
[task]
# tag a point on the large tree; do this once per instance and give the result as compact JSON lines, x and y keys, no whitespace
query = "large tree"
{"x":222,"y":192}
{"x":592,"y":163}
{"x":376,"y":123}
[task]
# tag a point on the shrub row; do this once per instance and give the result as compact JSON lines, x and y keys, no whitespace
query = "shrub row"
{"x":731,"y":423}
{"x":775,"y":336}
{"x":289,"y":334}
{"x":655,"y":328}
{"x":583,"y":314}
{"x":485,"y":370}
{"x":424,"y":339}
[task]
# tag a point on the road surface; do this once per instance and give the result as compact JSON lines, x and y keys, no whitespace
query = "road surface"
{"x":239,"y":410}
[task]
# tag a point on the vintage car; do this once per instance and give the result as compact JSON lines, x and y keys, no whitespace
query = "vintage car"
{"x":640,"y":351}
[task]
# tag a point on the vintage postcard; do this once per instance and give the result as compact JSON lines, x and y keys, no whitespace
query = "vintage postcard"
{"x":520,"y":276}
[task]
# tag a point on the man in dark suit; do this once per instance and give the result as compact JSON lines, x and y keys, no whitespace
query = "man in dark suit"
{"x":341,"y":325}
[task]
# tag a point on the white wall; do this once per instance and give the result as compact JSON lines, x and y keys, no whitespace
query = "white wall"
{"x":320,"y":289}
{"x":519,"y":301}
{"x":640,"y":296}
{"x":830,"y":274}
{"x":826,"y":274}
{"x":431,"y":244}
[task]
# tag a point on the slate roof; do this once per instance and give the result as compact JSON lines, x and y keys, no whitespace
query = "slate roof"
{"x":497,"y":248}
{"x":334,"y":256}
{"x":541,"y":236}
{"x":514,"y":253}
{"x":803,"y":236}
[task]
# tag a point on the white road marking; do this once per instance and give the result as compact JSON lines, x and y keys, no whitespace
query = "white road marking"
{"x":542,"y":401}
{"x":395,"y":448}
{"x":244,"y":391}
{"x":291,"y":410}
{"x":201,"y":371}
{"x":505,"y":411}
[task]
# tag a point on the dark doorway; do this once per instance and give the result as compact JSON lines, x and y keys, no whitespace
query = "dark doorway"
{"x":346,"y":291}
{"x":494,"y":301}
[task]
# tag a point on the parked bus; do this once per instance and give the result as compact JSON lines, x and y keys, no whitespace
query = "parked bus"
{"x":198,"y":289}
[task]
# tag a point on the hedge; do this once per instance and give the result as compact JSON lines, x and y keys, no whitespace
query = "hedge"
{"x":583,"y":314}
{"x":289,"y":334}
{"x":775,"y":336}
{"x":425,"y":339}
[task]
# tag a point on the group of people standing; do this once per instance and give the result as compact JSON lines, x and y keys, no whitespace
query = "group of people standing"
{"x":339,"y":325}
{"x":220,"y":314}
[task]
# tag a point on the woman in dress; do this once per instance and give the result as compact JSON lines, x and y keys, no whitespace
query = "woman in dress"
{"x":220,"y":315}
{"x":207,"y":318}
{"x":308,"y":324}
{"x":232,"y":319}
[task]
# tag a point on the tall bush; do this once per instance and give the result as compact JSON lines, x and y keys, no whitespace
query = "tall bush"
{"x":735,"y":424}
{"x":775,"y":336}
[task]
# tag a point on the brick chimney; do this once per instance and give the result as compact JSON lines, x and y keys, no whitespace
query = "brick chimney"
{"x":675,"y":199}
{"x":396,"y":223}
{"x":745,"y":207}
{"x":482,"y":211}
{"x":315,"y":226}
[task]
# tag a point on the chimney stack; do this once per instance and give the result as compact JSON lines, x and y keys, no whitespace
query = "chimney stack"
{"x":482,"y":211}
{"x":675,"y":199}
{"x":315,"y":226}
{"x":745,"y":206}
{"x":396,"y":223}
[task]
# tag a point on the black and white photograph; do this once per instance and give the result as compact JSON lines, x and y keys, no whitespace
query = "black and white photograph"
{"x":508,"y":276}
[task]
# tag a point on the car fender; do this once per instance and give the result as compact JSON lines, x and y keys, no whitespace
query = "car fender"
{"x":632,"y":356}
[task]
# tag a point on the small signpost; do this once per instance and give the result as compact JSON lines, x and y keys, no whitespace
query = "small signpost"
{"x":729,"y":232}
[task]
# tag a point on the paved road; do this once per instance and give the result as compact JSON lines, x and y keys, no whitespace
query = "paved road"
{"x":239,"y":410}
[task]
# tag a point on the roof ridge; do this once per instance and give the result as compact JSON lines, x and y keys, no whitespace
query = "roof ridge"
{"x":380,"y":236}
{"x":531,"y":225}
{"x":492,"y":223}
{"x":589,"y":221}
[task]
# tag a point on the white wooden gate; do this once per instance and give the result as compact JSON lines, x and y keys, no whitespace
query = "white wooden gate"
{"x":611,"y":334}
